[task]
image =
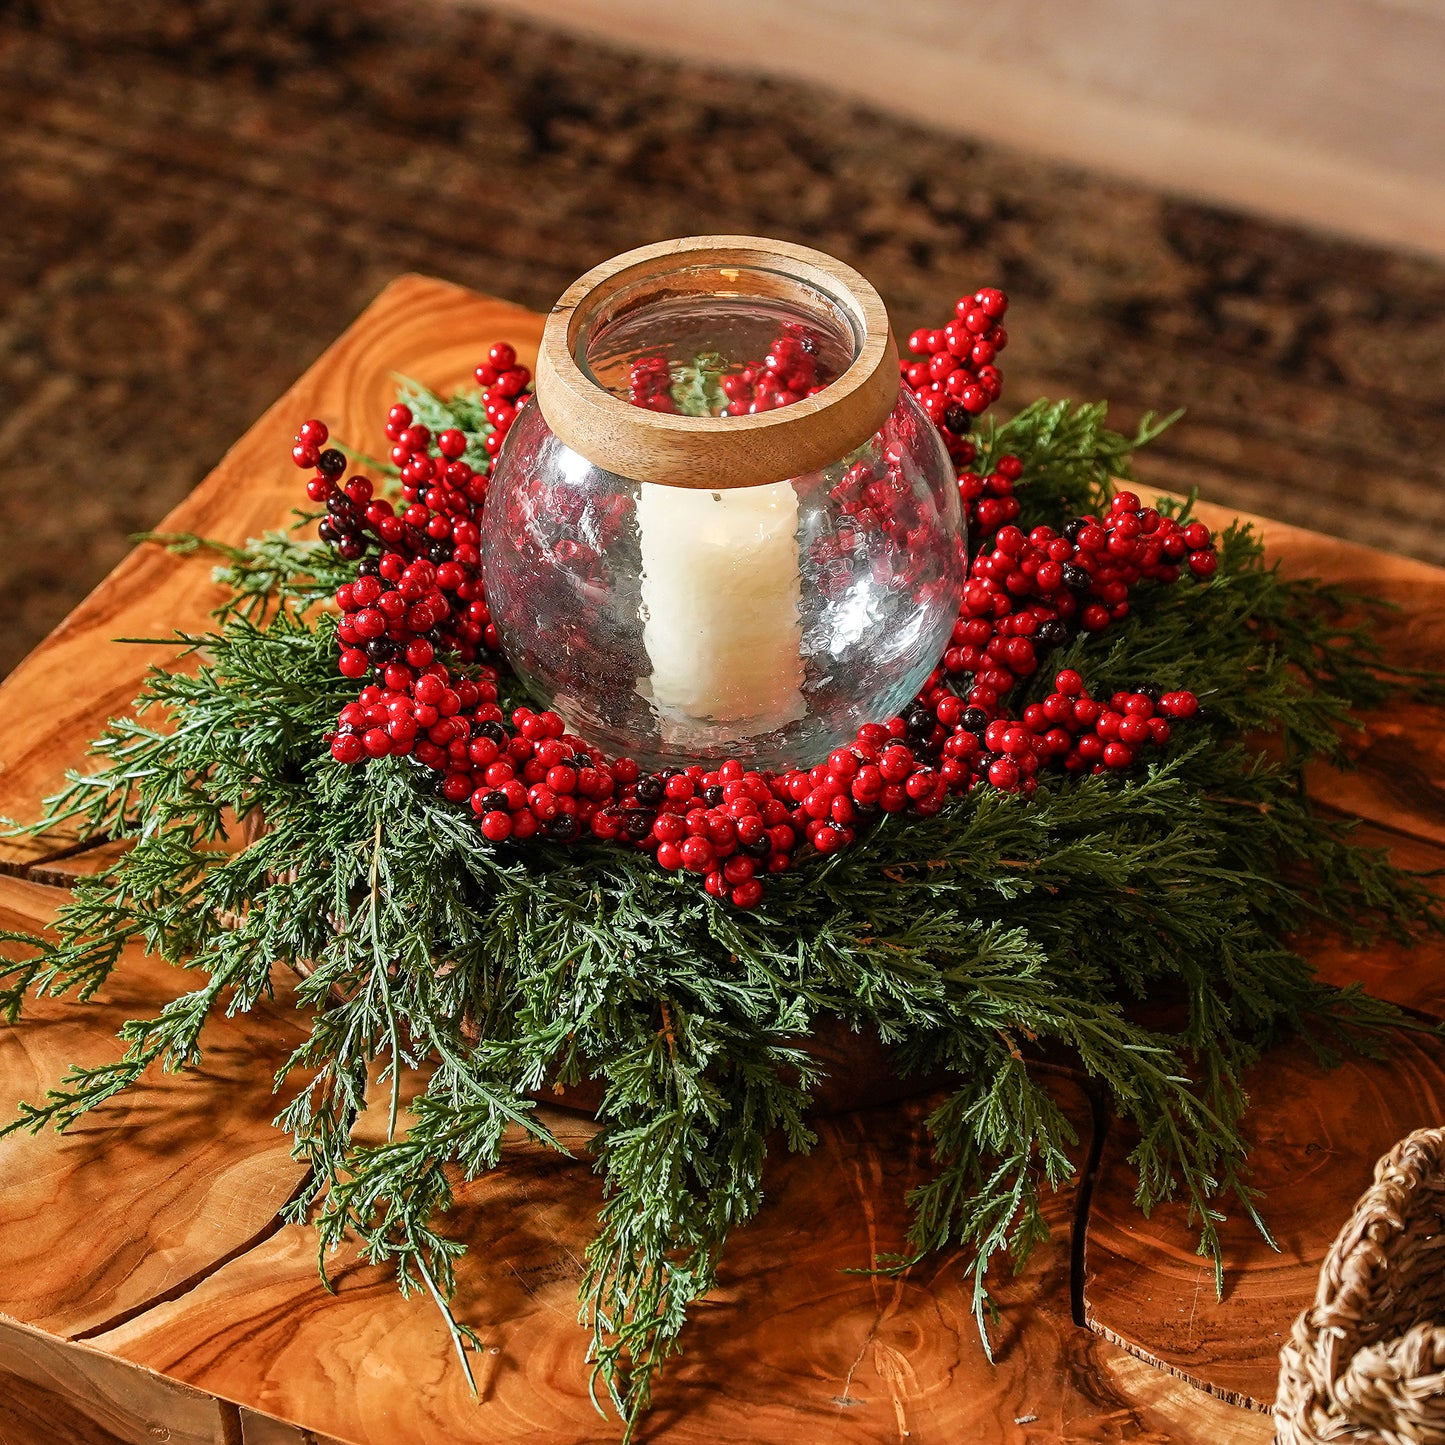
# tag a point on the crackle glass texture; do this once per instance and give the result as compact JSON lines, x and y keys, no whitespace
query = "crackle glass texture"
{"x":765,"y":623}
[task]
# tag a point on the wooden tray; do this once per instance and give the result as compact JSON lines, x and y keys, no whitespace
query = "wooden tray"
{"x":148,"y":1291}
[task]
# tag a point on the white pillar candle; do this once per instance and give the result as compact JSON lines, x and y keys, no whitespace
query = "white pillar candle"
{"x":721,"y":587}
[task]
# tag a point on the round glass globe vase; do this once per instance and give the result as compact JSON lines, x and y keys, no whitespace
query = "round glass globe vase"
{"x":686,"y":574}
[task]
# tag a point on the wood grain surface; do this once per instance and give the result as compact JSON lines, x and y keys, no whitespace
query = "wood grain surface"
{"x":1399,"y":755}
{"x":68,"y":1394}
{"x":418,"y":327}
{"x":174,"y":1269}
{"x":1410,"y":974}
{"x":61,"y":868}
{"x":261,"y":1429}
{"x":157,"y":1186}
{"x":788,"y":1347}
{"x":1316,"y":1134}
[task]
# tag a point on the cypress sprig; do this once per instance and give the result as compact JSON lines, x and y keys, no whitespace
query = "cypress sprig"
{"x":972,"y":941}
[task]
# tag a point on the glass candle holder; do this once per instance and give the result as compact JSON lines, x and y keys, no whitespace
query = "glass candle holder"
{"x":686,"y":575}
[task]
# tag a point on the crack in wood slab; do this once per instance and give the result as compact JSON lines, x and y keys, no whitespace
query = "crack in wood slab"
{"x":1102,"y":1122}
{"x":193,"y":1281}
{"x":1230,"y":1397}
{"x":43,"y":869}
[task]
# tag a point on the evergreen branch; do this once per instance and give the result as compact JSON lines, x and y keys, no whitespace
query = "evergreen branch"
{"x":1071,"y":459}
{"x":276,"y":568}
{"x":696,"y":388}
{"x":490,"y":972}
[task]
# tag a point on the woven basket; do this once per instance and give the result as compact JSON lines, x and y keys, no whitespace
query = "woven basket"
{"x":1366,"y":1363}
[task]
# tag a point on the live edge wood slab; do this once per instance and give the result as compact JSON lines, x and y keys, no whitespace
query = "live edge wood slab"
{"x":148,"y":1290}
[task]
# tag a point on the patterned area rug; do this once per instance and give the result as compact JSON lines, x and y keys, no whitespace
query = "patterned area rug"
{"x":197,"y":198}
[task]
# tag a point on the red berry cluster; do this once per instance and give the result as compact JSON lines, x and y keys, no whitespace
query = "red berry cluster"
{"x":422,"y":593}
{"x":434,"y":719}
{"x":649,"y":384}
{"x":343,"y":525}
{"x":953,"y":374}
{"x":989,"y":501}
{"x":789,"y":372}
{"x":875,"y":500}
{"x":526,"y":776}
{"x":504,"y":392}
{"x":1028,"y":593}
{"x":1067,"y":731}
{"x":1083,"y":735}
{"x":728,"y":824}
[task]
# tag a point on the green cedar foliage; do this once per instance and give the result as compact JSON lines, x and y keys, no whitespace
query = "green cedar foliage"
{"x":1138,"y":922}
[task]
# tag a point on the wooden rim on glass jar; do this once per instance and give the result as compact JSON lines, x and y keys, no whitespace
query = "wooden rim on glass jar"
{"x":711,"y":453}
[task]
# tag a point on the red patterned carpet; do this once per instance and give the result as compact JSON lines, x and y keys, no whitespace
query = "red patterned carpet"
{"x":197,"y":198}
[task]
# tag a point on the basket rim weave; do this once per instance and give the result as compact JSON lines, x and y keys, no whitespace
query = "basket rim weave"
{"x":1366,"y":1361}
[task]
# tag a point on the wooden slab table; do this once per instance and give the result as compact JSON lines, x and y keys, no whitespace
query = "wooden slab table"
{"x":148,"y":1290}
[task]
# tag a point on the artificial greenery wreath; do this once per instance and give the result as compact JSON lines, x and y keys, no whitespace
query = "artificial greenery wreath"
{"x":968,"y":940}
